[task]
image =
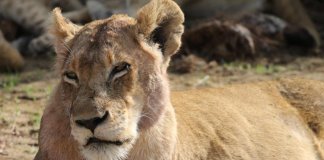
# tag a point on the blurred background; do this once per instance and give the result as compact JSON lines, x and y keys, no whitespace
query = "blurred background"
{"x":225,"y":42}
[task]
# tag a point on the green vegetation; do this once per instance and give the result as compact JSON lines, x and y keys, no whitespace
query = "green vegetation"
{"x":36,"y":119}
{"x":255,"y":68}
{"x":9,"y":82}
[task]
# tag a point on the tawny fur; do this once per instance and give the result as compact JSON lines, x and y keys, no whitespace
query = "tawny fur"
{"x":11,"y":60}
{"x":269,"y":120}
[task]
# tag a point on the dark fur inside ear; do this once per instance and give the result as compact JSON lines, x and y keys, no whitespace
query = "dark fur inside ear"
{"x":159,"y":38}
{"x":160,"y":21}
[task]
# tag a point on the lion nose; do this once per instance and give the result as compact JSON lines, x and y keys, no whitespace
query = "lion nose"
{"x":92,"y":123}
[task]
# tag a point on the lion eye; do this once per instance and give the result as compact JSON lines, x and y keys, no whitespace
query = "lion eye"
{"x":71,"y":77}
{"x":119,"y":71}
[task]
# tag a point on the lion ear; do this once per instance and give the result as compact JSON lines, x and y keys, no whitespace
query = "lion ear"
{"x":161,"y":21}
{"x":63,"y":31}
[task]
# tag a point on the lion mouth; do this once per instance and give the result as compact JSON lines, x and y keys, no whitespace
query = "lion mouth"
{"x":94,"y":140}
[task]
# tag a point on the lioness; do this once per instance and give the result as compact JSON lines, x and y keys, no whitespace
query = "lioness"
{"x":113,"y":101}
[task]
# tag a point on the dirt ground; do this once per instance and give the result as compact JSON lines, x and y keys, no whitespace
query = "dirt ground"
{"x":24,"y":95}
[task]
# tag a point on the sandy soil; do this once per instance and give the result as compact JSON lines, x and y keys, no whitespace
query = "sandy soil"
{"x":24,"y":95}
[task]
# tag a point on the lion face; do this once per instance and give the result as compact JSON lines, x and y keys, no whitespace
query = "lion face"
{"x":113,"y":74}
{"x":101,"y":80}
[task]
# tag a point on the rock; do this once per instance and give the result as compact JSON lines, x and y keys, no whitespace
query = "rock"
{"x":217,"y":40}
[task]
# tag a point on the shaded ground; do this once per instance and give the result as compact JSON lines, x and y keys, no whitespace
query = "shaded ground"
{"x":23,"y":96}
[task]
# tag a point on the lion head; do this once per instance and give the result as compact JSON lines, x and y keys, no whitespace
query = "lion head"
{"x":113,"y":75}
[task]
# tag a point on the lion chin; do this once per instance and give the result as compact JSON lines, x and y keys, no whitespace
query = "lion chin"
{"x":97,"y":149}
{"x":105,"y":143}
{"x":102,"y":151}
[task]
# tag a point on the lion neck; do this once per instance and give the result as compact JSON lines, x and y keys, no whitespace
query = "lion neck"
{"x":159,"y":140}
